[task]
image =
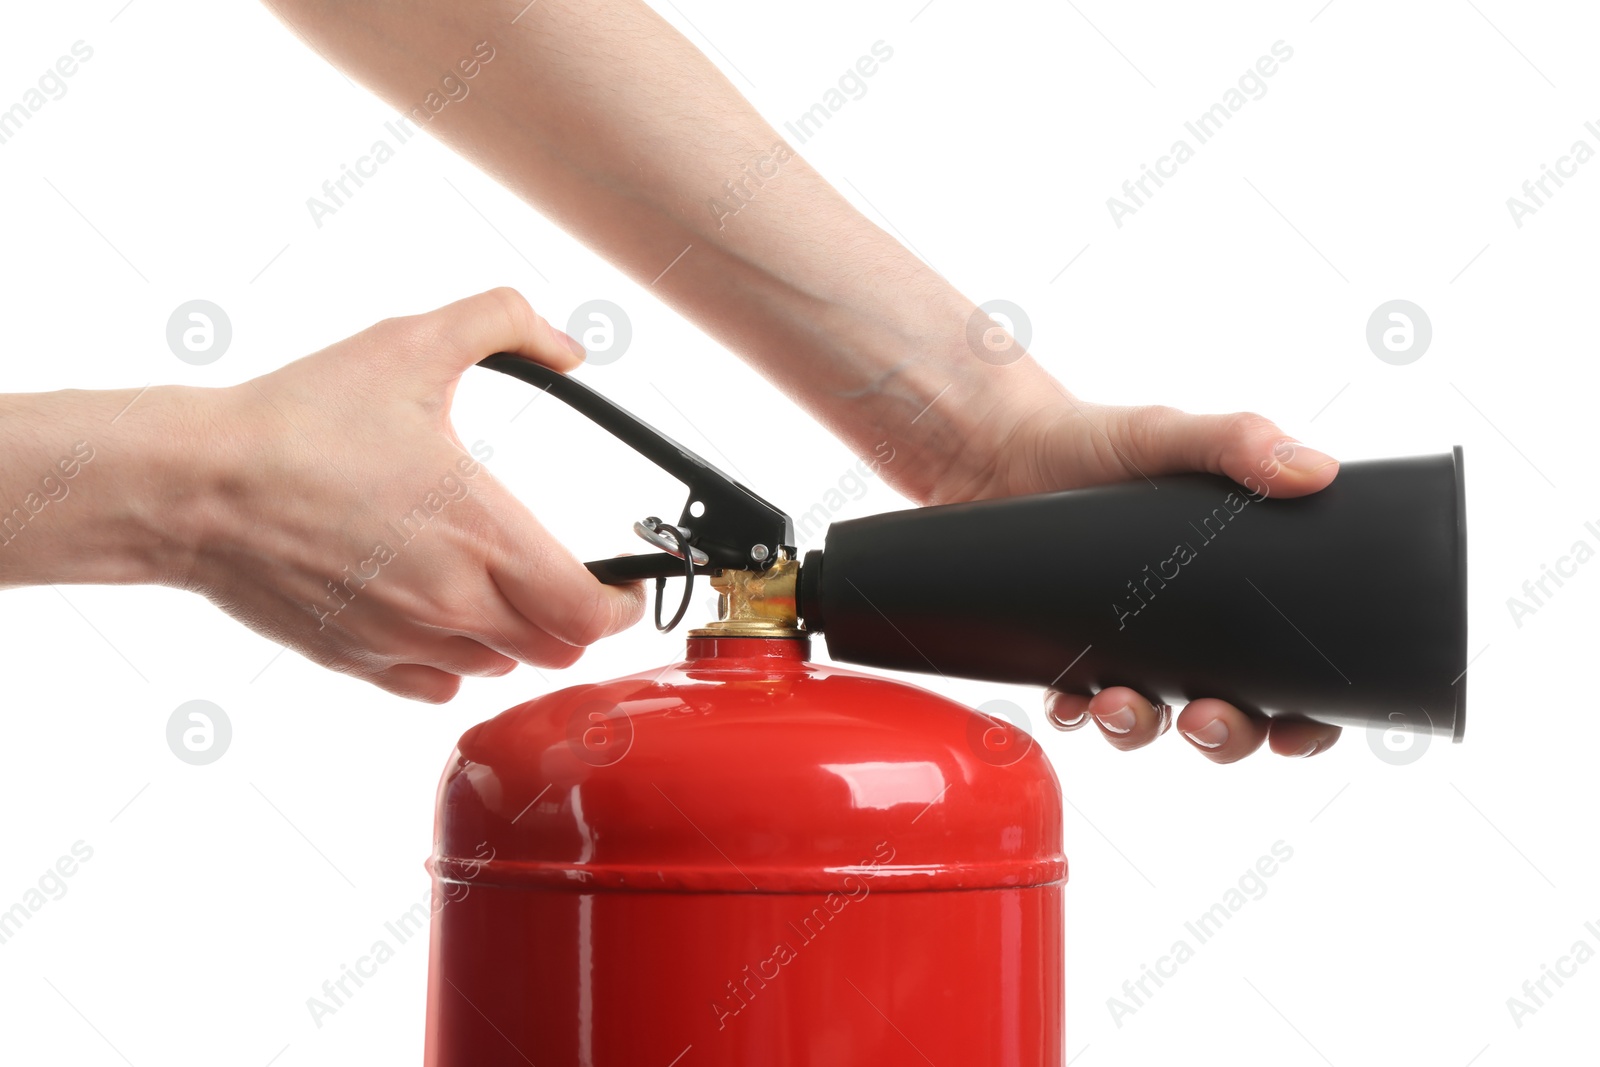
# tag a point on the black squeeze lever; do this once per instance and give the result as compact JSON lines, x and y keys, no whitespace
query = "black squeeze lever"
{"x":723,"y":525}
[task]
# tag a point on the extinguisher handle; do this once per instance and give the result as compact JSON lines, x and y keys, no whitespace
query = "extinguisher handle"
{"x":723,"y":525}
{"x":620,"y":570}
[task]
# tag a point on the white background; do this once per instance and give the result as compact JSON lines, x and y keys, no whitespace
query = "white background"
{"x":1377,"y":166}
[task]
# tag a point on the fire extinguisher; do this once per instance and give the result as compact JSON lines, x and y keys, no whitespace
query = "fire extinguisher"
{"x":746,"y":857}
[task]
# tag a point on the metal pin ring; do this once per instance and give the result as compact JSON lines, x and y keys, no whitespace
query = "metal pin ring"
{"x":651,"y":529}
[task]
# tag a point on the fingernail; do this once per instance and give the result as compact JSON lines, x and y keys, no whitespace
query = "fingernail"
{"x":1117,"y":722}
{"x":572,"y":344}
{"x":1308,"y":750}
{"x":1303,"y":458}
{"x":1062,"y":720}
{"x":1213,"y":735}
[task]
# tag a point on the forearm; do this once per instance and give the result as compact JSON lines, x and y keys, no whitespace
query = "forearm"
{"x":94,"y":487}
{"x":613,"y":125}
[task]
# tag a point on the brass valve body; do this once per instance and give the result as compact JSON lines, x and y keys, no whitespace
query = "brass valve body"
{"x":755,"y":603}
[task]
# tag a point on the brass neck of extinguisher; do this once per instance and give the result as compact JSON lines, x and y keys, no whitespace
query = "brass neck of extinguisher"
{"x":755,"y":603}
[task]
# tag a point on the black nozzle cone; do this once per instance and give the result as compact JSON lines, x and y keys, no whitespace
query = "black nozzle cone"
{"x":1347,"y":606}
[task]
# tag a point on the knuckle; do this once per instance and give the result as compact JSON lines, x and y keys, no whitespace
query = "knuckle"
{"x":590,"y":623}
{"x":392,"y":326}
{"x":407,"y":685}
{"x":1160,"y":414}
{"x":514,"y":306}
{"x":559,"y":657}
{"x":356,"y":662}
{"x":487,"y":663}
{"x":440,"y":691}
{"x":403,"y":341}
{"x":456,"y":618}
{"x":1147,"y":427}
{"x":525,"y":642}
{"x":631,"y":609}
{"x":1249,"y":425}
{"x":479,"y":668}
{"x":406,"y":331}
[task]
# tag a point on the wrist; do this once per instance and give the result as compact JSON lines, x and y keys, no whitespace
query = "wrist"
{"x":186,"y":460}
{"x":947,"y":408}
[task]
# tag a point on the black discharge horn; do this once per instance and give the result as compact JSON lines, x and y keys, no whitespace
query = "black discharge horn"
{"x":1347,"y":606}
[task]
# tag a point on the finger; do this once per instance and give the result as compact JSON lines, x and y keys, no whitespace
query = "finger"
{"x":1298,"y":737}
{"x":549,"y":588}
{"x":1221,"y":731}
{"x":1127,"y":720}
{"x":458,"y":335}
{"x":1066,"y":711}
{"x":464,"y":656}
{"x":1248,"y":448}
{"x":491,"y":621}
{"x":416,"y":681}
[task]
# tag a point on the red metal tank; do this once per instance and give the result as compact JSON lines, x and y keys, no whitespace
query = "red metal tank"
{"x":746,"y":858}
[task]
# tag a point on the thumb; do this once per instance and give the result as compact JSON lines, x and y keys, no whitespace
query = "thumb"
{"x":1246,"y":447}
{"x":458,"y":335}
